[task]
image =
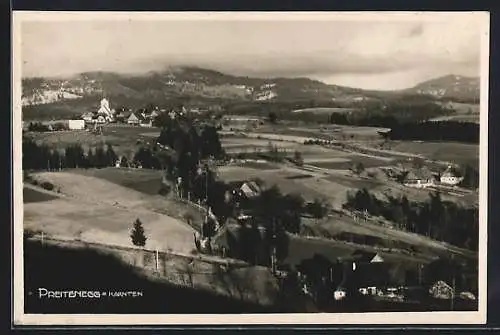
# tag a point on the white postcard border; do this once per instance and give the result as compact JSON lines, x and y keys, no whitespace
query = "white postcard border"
{"x":397,"y":318}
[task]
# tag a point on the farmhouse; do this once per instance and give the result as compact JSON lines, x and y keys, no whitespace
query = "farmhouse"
{"x":367,"y":257}
{"x":450,"y":177}
{"x":134,"y":119}
{"x":419,"y":178}
{"x":370,"y":272}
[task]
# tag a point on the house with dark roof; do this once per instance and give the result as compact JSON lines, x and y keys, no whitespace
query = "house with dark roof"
{"x":367,"y":256}
{"x":245,"y":189}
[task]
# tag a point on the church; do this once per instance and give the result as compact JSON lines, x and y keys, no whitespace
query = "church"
{"x":106,"y":111}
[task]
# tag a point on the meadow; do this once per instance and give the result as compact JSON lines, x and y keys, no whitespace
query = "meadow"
{"x":458,"y":153}
{"x":124,"y":139}
{"x":95,"y":209}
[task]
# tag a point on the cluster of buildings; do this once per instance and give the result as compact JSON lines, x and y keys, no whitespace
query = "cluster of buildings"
{"x":142,"y":117}
{"x":423,"y":178}
{"x":105,"y":114}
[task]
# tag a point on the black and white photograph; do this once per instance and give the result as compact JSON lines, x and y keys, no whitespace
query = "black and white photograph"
{"x":236,"y":168}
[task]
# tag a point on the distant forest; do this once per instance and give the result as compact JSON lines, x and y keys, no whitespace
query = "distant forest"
{"x":435,"y":131}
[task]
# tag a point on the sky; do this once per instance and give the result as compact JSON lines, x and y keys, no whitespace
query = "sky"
{"x":370,"y":54}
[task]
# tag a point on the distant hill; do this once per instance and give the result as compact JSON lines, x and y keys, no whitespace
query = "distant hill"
{"x":197,"y":84}
{"x":451,"y":87}
{"x":185,"y":82}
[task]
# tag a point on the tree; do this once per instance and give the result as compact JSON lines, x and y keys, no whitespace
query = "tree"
{"x":470,"y":177}
{"x":124,"y":161}
{"x":418,"y":162}
{"x":401,"y":177}
{"x":272,"y":117}
{"x":317,"y":209}
{"x":100,"y":157}
{"x":111,"y":156}
{"x":138,"y":237}
{"x":358,"y":168}
{"x":297,"y":157}
{"x":90,"y":161}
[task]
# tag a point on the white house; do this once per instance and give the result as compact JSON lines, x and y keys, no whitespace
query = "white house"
{"x":76,"y":124}
{"x":450,"y":177}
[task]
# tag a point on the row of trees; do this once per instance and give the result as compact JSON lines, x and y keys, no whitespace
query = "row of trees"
{"x":41,"y":127}
{"x":42,"y":157}
{"x":435,"y":218}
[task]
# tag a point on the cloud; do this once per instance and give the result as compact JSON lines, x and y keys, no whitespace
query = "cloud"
{"x":319,"y":49}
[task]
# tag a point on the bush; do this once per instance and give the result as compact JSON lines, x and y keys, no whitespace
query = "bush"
{"x":47,"y":186}
{"x":164,"y":190}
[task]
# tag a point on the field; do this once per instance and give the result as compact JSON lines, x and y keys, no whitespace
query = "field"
{"x":124,"y":139}
{"x":346,"y":162}
{"x":310,"y":185}
{"x":96,"y":210}
{"x":304,"y":248}
{"x":458,"y":153}
{"x":344,"y":227}
{"x":463,"y":112}
{"x":141,"y":180}
{"x":235,"y":145}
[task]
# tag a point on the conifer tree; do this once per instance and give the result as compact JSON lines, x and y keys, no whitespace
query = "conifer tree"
{"x":138,"y":237}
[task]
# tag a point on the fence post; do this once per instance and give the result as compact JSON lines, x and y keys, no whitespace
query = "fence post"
{"x":156,"y":256}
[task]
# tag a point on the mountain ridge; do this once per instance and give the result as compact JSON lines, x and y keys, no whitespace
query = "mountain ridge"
{"x":211,"y":84}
